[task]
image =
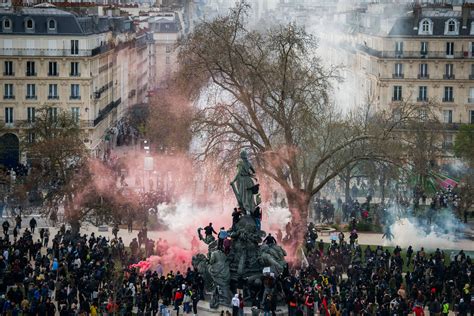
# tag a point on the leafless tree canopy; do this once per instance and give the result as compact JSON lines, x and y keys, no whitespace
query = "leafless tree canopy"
{"x":269,"y":93}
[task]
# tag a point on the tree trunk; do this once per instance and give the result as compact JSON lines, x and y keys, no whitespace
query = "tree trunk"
{"x":347,"y":188}
{"x":298,"y":203}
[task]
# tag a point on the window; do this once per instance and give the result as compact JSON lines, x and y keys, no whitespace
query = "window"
{"x":423,"y":114}
{"x":450,"y":49}
{"x":448,"y":94}
{"x":397,"y":93}
{"x":424,"y":71}
{"x":470,"y":99}
{"x":449,"y":72}
{"x":31,"y":137}
{"x":448,"y":116}
{"x":53,"y":114}
{"x":471,"y":116}
{"x":30,"y":68}
{"x":168,"y":49}
{"x":8,"y":68}
{"x":8,"y":115}
{"x":74,"y":47}
{"x":448,"y":141}
{"x":8,"y":93}
{"x":75,"y":69}
{"x":29,"y":24}
{"x":31,"y":114}
{"x":424,"y":48}
{"x":396,"y":114}
{"x":31,"y":91}
{"x":399,"y":47}
{"x":53,"y":68}
{"x":422,"y":93}
{"x":75,"y":112}
{"x":472,"y":49}
{"x":398,"y":71}
{"x":53,"y":91}
{"x":7,"y":25}
{"x":51,"y":24}
{"x":167,"y":60}
{"x":75,"y":93}
{"x":451,"y":26}
{"x":425,"y":26}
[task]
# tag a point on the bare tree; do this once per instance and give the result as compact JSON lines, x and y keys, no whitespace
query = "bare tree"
{"x":267,"y":92}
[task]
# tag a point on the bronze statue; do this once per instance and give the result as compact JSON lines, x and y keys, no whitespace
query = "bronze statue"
{"x":244,"y":184}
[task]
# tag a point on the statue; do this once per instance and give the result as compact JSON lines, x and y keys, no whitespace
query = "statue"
{"x":247,"y":257}
{"x":219,"y":271}
{"x":244,"y":185}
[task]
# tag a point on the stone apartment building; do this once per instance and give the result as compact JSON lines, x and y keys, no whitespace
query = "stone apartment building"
{"x":423,"y":53}
{"x":94,"y":67}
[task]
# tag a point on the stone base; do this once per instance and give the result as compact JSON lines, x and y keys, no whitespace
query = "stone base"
{"x":204,"y":309}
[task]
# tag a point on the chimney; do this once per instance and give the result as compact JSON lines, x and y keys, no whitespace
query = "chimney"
{"x":416,"y":15}
{"x":466,"y":13}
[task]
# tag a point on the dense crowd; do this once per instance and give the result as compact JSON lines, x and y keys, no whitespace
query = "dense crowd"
{"x":346,"y":278}
{"x":91,"y":275}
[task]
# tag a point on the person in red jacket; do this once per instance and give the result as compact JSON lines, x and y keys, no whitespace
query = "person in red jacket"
{"x":178,"y":299}
{"x":418,"y":310}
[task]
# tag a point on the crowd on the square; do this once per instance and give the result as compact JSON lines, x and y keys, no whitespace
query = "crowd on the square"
{"x":68,"y":275}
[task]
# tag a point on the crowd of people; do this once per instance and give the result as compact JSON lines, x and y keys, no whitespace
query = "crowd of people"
{"x":92,"y":275}
{"x":345,"y":279}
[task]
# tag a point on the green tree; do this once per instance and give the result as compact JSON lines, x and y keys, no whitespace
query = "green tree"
{"x":464,"y":143}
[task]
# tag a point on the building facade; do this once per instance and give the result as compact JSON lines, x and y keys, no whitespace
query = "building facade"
{"x":81,"y":64}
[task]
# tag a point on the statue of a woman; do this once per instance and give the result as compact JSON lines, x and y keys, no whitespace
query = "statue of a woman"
{"x":244,"y":185}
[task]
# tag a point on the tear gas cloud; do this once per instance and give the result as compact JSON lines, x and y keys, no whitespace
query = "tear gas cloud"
{"x":438,"y":229}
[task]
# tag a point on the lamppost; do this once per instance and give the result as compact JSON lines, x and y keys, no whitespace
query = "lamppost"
{"x":147,"y":168}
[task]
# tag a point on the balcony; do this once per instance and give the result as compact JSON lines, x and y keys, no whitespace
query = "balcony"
{"x":448,"y":99}
{"x":397,"y":99}
{"x":74,"y":74}
{"x":74,"y":97}
{"x":54,"y":52}
{"x":412,"y":54}
{"x":30,"y":74}
{"x":9,"y":97}
{"x":471,"y":77}
{"x":424,"y":76}
{"x":31,"y":97}
{"x":449,"y":77}
{"x":470,"y":100}
{"x":53,"y":74}
{"x":421,"y":99}
{"x":398,"y":76}
{"x":105,"y":111}
{"x":53,"y":97}
{"x":8,"y":73}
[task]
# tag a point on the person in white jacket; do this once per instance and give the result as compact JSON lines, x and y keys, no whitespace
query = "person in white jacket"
{"x":235,"y":305}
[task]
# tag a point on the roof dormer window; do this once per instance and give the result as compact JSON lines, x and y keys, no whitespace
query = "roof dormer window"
{"x":451,"y":27}
{"x":52,"y":24}
{"x":29,"y":25}
{"x":426,"y":27}
{"x":7,"y":25}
